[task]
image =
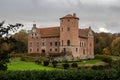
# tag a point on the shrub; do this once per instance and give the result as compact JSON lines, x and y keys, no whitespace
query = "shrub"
{"x":3,"y":67}
{"x":38,"y":61}
{"x":104,"y":58}
{"x":66,"y":65}
{"x":46,"y":63}
{"x":23,"y":59}
{"x":99,"y":67}
{"x":54,"y":63}
{"x":84,"y":74}
{"x":74,"y":65}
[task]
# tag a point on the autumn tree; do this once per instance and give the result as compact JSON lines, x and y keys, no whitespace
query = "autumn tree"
{"x":21,"y":42}
{"x":116,"y":47}
{"x":5,"y":43}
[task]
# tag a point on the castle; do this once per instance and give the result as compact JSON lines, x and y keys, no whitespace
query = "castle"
{"x":66,"y":38}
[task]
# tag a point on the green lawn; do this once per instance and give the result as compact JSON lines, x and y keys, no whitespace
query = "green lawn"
{"x":16,"y":64}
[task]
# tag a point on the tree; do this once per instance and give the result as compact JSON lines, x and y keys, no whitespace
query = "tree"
{"x":5,"y":43}
{"x":116,"y":47}
{"x":107,"y":51}
{"x":21,"y":42}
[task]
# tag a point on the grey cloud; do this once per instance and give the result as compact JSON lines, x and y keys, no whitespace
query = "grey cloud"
{"x":48,"y":12}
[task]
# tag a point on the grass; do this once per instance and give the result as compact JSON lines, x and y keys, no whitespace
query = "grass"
{"x":16,"y":64}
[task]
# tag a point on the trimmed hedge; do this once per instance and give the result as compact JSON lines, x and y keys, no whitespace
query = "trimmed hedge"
{"x":74,"y":65}
{"x":46,"y":63}
{"x":66,"y":65}
{"x":54,"y":63}
{"x":83,"y":74}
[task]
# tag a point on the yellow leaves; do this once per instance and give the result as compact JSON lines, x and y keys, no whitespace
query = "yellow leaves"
{"x":106,"y":51}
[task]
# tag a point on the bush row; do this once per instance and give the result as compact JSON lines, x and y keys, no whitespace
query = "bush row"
{"x":83,"y":74}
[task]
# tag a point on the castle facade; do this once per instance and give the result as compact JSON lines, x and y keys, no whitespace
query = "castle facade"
{"x":66,"y":38}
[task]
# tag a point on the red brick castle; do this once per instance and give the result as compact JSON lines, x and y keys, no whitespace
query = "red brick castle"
{"x":66,"y":38}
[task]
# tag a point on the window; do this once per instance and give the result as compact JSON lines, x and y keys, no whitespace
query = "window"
{"x":90,"y":52}
{"x":68,"y":42}
{"x":84,"y":51}
{"x":50,"y":43}
{"x":56,"y":43}
{"x":43,"y":44}
{"x":56,"y":49}
{"x":80,"y":44}
{"x":30,"y":50}
{"x":90,"y":44}
{"x":36,"y":37}
{"x":37,"y":44}
{"x":84,"y":44}
{"x":37,"y":50}
{"x":62,"y":42}
{"x":62,"y":29}
{"x":30,"y":44}
{"x":50,"y":50}
{"x":76,"y":49}
{"x":68,"y":29}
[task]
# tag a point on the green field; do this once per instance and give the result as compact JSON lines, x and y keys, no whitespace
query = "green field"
{"x":16,"y":64}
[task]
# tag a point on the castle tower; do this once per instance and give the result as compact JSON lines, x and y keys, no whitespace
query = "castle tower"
{"x":69,"y":40}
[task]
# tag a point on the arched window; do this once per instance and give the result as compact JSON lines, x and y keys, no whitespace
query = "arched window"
{"x":84,"y":51}
{"x":30,"y":50}
{"x":37,"y":50}
{"x":68,"y":42}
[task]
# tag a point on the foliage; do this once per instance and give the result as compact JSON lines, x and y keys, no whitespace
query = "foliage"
{"x":46,"y":63}
{"x":116,"y":47}
{"x":4,"y":58}
{"x":104,"y":58}
{"x":107,"y":51}
{"x":38,"y":61}
{"x":6,"y":42}
{"x":103,"y":42}
{"x":66,"y":65}
{"x":54,"y":63}
{"x":74,"y":65}
{"x":61,"y":75}
{"x":21,"y":42}
{"x":100,"y":67}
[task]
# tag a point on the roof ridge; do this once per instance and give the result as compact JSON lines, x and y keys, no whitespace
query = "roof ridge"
{"x":49,"y":27}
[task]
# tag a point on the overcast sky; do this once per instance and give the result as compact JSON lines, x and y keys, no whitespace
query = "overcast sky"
{"x":101,"y":15}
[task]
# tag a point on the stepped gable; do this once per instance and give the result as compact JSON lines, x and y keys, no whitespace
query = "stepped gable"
{"x":50,"y":32}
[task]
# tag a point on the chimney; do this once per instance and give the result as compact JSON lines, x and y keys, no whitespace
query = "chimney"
{"x":34,"y":25}
{"x":74,"y":14}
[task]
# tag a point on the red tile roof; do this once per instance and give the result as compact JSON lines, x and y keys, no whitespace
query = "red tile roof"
{"x":83,"y":32}
{"x":50,"y":32}
{"x":55,"y":32}
{"x":69,"y":16}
